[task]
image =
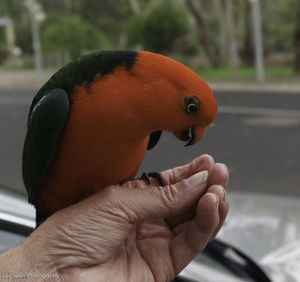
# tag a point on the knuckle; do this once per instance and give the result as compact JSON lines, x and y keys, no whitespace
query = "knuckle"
{"x":169,"y":195}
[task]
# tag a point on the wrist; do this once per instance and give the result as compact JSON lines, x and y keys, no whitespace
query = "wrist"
{"x":13,"y":261}
{"x":22,"y":262}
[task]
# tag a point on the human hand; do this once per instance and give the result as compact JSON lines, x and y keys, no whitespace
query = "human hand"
{"x":135,"y":232}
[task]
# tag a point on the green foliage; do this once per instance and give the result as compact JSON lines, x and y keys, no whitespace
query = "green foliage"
{"x":159,"y":28}
{"x":17,"y":12}
{"x":246,"y":72}
{"x":135,"y":29}
{"x":279,"y":22}
{"x":109,"y":16}
{"x":71,"y":34}
{"x":3,"y":46}
{"x":10,"y":7}
{"x":72,"y":26}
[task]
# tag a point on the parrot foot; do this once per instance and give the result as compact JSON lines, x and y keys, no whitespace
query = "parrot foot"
{"x":156,"y":175}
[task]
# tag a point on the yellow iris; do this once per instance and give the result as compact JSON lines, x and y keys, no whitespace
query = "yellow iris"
{"x":191,"y":108}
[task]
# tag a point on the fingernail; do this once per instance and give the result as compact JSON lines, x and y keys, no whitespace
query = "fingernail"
{"x":227,"y":180}
{"x":198,"y":178}
{"x":227,"y":174}
{"x":223,"y":192}
{"x":212,"y":158}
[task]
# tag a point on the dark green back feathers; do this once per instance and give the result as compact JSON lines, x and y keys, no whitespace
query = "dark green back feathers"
{"x":84,"y":69}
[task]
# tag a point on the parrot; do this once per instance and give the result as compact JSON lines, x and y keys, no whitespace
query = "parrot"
{"x":90,"y":125}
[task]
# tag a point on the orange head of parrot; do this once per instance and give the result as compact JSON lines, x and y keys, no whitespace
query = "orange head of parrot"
{"x":156,"y":94}
{"x":172,"y":97}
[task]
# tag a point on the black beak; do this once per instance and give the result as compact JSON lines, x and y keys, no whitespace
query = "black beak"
{"x":187,"y":135}
{"x":191,"y":135}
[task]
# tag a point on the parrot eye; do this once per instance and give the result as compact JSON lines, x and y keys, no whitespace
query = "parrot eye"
{"x":191,"y":105}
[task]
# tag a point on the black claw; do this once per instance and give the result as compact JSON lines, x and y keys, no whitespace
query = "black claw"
{"x":145,"y":178}
{"x":157,"y":176}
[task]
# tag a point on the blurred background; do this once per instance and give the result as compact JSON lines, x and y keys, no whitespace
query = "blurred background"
{"x":247,"y":50}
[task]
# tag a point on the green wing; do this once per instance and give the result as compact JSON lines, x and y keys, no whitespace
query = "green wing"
{"x":45,"y":124}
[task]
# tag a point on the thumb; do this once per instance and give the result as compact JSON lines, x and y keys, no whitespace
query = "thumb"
{"x":155,"y":202}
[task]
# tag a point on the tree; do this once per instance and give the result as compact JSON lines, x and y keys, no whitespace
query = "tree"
{"x":71,"y":34}
{"x":229,"y":35}
{"x":135,"y":6}
{"x":204,"y":34}
{"x":297,"y":42}
{"x":247,"y":45}
{"x":108,"y":16}
{"x":159,"y":28}
{"x":17,"y":11}
{"x":284,"y":32}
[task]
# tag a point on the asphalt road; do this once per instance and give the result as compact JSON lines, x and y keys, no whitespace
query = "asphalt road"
{"x":256,"y":134}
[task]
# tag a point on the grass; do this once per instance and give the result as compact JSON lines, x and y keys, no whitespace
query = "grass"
{"x":246,"y":72}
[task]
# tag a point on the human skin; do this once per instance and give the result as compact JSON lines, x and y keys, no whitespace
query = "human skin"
{"x":132,"y":232}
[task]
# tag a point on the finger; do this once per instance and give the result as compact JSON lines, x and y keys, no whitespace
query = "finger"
{"x":219,"y":175}
{"x":135,"y":184}
{"x":154,"y":202}
{"x":194,"y":238}
{"x":172,"y":176}
{"x":182,"y":218}
{"x":220,"y":192}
